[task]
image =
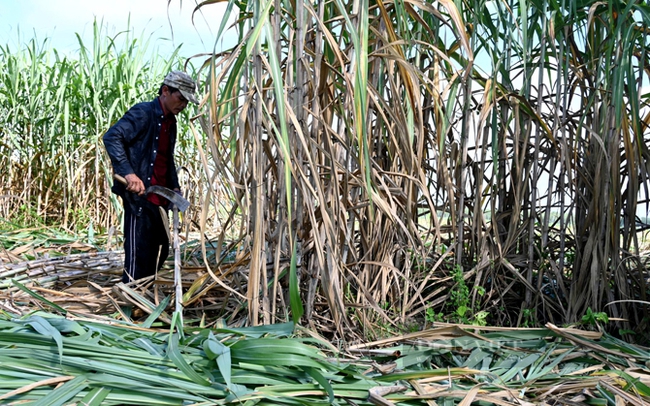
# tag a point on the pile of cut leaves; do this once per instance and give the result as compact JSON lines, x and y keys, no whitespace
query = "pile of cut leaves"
{"x":80,"y":348}
{"x":48,"y":359}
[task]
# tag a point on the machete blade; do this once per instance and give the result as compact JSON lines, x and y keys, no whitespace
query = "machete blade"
{"x":176,"y":199}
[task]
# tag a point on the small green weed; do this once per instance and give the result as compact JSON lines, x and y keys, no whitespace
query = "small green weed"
{"x":594,"y":319}
{"x":460,"y":301}
{"x":528,"y":318}
{"x":431,"y":316}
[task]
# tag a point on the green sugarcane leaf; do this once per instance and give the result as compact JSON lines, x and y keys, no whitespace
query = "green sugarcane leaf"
{"x":215,"y":350}
{"x":63,"y":393}
{"x":39,"y":297}
{"x":276,"y":330}
{"x":61,"y":323}
{"x":95,"y":397}
{"x":520,"y":366}
{"x":43,"y":327}
{"x":539,"y":370}
{"x":632,"y":382}
{"x":287,"y":360}
{"x":297,"y":309}
{"x":157,"y":312}
{"x":152,"y":348}
{"x":174,"y":354}
{"x":260,"y":24}
{"x":318,"y":377}
{"x":426,"y":374}
{"x":275,"y":346}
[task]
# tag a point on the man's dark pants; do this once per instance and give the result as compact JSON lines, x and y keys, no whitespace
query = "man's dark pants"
{"x":146,"y":245}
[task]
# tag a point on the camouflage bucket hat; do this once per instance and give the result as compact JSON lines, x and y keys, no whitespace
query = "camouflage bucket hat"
{"x":184,"y":83}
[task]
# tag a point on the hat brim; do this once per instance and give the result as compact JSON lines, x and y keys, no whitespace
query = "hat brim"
{"x":189,"y":96}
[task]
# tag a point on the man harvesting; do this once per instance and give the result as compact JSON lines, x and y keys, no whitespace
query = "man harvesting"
{"x":141,"y":148}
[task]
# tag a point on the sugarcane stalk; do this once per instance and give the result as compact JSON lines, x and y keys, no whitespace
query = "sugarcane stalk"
{"x":177,"y":266}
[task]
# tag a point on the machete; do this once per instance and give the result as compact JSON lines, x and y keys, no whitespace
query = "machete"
{"x":181,"y":204}
{"x":176,"y":199}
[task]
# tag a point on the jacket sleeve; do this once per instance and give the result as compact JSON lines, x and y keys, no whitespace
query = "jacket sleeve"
{"x":120,"y":135}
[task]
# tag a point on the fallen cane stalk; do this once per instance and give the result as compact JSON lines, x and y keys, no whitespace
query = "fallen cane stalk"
{"x":29,"y":387}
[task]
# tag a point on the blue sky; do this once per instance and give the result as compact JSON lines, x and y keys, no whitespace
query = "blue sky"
{"x":59,"y":20}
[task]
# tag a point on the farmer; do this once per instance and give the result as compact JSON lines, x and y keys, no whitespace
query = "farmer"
{"x":141,"y":148}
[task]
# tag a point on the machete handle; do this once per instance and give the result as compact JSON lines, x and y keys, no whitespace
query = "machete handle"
{"x":120,"y":179}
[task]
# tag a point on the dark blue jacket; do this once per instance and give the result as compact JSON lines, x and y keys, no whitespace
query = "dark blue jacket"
{"x":132,"y":144}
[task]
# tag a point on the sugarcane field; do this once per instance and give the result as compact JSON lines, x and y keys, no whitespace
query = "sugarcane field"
{"x":346,"y":202}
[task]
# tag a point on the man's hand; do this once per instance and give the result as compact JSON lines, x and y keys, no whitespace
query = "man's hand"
{"x":134,"y":184}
